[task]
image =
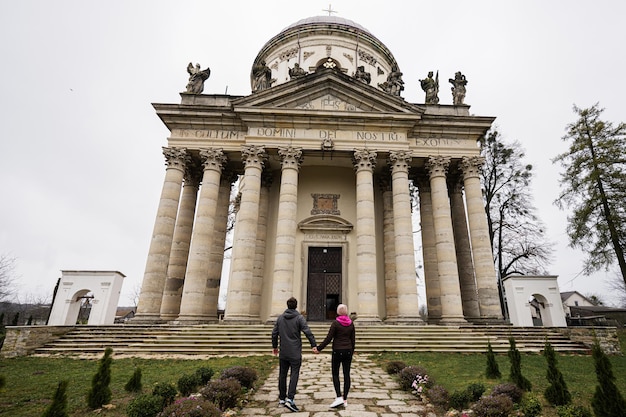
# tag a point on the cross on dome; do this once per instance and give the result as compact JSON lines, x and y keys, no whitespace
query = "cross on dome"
{"x":329,"y":10}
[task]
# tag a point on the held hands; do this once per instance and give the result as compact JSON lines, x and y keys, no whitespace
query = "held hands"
{"x":315,"y":350}
{"x":275,"y":351}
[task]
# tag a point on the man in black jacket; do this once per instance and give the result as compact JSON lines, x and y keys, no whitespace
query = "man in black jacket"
{"x":287,"y":328}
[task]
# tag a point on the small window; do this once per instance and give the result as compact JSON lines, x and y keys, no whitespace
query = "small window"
{"x":575,"y":303}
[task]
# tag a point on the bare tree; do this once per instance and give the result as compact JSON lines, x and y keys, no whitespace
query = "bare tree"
{"x":7,"y":276}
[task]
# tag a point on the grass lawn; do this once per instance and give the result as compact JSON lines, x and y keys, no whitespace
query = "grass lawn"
{"x":456,"y":371}
{"x":31,"y":381}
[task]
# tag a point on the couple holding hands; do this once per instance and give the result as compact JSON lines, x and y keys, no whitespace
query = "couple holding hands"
{"x":287,"y":329}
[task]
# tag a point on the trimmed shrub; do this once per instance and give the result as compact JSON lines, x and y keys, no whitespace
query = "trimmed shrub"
{"x":188,"y":384}
{"x":516,"y":367}
{"x":58,"y":407}
{"x":475,"y":390}
{"x":607,"y":401}
{"x":393,"y":367}
{"x":134,"y":383}
{"x":493,"y":371}
{"x":571,"y":410}
{"x":493,"y":406}
{"x":205,"y":374}
{"x":530,"y":406}
{"x":191,"y":407}
{"x":100,"y":392}
{"x":459,"y":400}
{"x":145,"y":405}
{"x":512,"y":391}
{"x":245,"y":375}
{"x":438,"y":396}
{"x":556,"y":393}
{"x":224,"y":393}
{"x":407,"y":375}
{"x":167,"y":393}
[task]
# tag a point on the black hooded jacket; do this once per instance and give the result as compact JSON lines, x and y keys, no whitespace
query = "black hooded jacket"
{"x":288,"y":327}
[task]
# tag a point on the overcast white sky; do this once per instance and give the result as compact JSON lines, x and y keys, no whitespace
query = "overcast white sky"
{"x":82,"y":170}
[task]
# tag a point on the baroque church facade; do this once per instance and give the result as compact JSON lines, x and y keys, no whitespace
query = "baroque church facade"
{"x":323,"y":154}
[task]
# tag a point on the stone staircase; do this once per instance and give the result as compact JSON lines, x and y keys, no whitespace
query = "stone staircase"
{"x":221,"y":339}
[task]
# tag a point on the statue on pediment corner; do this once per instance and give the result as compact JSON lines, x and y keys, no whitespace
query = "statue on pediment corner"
{"x":431,"y":88}
{"x":261,"y":77}
{"x":197,"y":77}
{"x":458,"y":88}
{"x":394,"y":84}
{"x":297,"y":71}
{"x":362,"y":75}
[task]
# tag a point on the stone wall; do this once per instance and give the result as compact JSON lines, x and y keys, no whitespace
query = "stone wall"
{"x":606,"y":336}
{"x":23,"y":340}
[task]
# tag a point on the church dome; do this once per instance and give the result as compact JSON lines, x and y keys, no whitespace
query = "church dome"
{"x":323,"y":41}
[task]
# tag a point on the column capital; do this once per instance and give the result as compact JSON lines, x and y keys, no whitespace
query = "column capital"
{"x":175,"y":157}
{"x":399,"y":161}
{"x":253,"y":155}
{"x":291,"y":157}
{"x":471,"y":165}
{"x":437,"y":166}
{"x":364,"y":159}
{"x":213,"y":159}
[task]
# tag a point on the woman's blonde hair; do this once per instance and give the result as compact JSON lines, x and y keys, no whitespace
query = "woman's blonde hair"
{"x":342,"y":310}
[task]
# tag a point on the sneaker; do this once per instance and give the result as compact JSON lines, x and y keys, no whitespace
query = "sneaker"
{"x":338,"y":401}
{"x":281,"y":403}
{"x":291,"y":405}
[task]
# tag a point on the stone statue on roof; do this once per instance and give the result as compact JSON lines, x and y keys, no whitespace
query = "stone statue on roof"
{"x":296,"y":71}
{"x":362,"y":75}
{"x":458,"y":88}
{"x":261,"y":77}
{"x":431,"y":88}
{"x":197,"y":77}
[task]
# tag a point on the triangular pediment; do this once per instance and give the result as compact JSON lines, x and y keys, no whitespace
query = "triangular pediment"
{"x":327,"y":91}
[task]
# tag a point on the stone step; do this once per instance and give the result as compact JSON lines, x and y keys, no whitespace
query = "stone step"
{"x":219,"y":339}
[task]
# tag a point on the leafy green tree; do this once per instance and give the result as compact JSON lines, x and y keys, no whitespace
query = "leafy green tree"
{"x":516,"y":367}
{"x":594,"y":187}
{"x":493,"y":371}
{"x":58,"y":407}
{"x":607,"y":401}
{"x":100,"y":392}
{"x":556,"y":393}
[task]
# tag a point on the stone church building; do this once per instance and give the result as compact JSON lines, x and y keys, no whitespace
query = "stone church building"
{"x":322,"y":155}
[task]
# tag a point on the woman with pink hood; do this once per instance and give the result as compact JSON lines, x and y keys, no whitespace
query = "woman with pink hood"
{"x":342,"y":334}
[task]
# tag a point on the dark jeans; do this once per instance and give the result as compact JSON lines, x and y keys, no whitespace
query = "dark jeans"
{"x":343,"y":358}
{"x":285,"y":366}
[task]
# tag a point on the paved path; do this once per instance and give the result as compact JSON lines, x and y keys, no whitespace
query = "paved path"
{"x":373,"y":393}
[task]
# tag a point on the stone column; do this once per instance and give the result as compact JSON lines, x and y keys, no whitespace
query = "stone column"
{"x":486,"y":281}
{"x":256,"y":289}
{"x":170,"y":306}
{"x":429,"y":251}
{"x":192,"y":308}
{"x":244,"y":239}
{"x":463,"y":252}
{"x":391,"y":286}
{"x":451,"y":307}
{"x":216,"y":260}
{"x":286,"y":228}
{"x":149,"y":306}
{"x":408,"y":310}
{"x":364,"y":162}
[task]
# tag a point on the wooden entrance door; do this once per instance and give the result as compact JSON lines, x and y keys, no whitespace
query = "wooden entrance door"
{"x":323,"y":283}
